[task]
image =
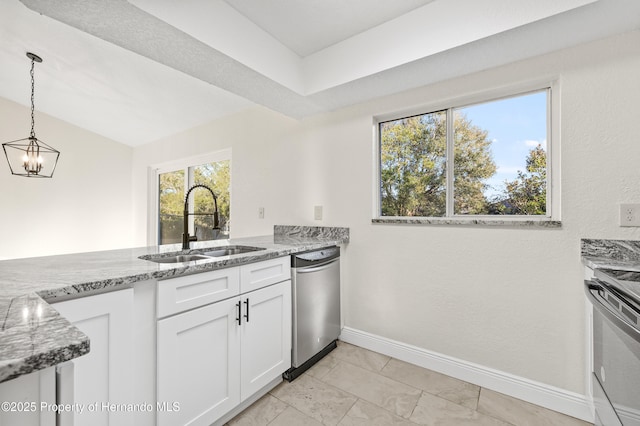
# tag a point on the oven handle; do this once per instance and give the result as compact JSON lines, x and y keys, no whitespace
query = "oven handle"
{"x":592,"y":288}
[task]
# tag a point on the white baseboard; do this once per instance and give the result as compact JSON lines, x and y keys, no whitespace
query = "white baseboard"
{"x":553,"y":398}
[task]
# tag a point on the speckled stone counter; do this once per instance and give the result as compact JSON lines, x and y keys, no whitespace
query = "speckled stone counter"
{"x":34,"y":336}
{"x":621,"y":255}
{"x":495,"y":221}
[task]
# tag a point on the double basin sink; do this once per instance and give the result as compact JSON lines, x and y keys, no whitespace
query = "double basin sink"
{"x":210,"y":253}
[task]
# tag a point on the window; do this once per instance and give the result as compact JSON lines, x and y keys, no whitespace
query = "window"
{"x":173,"y":180}
{"x":481,"y":159}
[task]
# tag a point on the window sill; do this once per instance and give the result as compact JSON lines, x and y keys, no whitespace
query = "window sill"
{"x":463,"y":221}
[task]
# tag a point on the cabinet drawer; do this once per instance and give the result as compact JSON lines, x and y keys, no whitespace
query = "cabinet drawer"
{"x":262,"y":274}
{"x":191,"y":291}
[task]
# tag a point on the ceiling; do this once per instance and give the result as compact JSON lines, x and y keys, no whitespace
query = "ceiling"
{"x":140,"y":70}
{"x":306,"y":27}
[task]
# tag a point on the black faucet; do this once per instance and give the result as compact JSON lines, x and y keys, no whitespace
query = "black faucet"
{"x":186,"y":238}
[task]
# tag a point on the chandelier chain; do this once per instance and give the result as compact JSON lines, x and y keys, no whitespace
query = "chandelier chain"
{"x":33,"y":132}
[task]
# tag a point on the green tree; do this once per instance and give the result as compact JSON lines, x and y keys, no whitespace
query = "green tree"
{"x":172,"y":193}
{"x":526,"y":194}
{"x":171,"y":188}
{"x":473,"y":164}
{"x":413,"y":166}
{"x":216,"y":176}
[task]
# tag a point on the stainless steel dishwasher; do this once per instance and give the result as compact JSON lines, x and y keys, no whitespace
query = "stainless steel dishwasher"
{"x":316,"y":307}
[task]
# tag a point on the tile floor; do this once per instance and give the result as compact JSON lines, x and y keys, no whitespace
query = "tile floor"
{"x":354,"y":386}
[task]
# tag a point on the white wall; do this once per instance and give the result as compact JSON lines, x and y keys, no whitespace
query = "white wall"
{"x":259,"y":141}
{"x":506,"y":298}
{"x":86,"y":206}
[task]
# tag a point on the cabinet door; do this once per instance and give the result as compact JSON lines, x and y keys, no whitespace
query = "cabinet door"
{"x":26,"y":394}
{"x":104,"y":375}
{"x":198,"y":364}
{"x":266,"y":336}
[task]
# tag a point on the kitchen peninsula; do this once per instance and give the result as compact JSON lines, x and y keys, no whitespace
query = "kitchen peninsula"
{"x":35,"y":336}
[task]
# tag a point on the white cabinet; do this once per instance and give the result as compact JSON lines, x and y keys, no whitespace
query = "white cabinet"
{"x":198,"y":361}
{"x":215,"y":356}
{"x":104,"y":375}
{"x":265,"y":337}
{"x":30,"y":399}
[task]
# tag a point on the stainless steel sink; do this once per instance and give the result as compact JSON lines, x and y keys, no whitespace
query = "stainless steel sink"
{"x":231,"y":250}
{"x":211,"y":253}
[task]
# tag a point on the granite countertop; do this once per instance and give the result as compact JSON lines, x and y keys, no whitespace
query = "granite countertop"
{"x":621,"y":255}
{"x":34,"y":336}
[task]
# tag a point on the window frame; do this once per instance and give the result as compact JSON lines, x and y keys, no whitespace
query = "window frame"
{"x":155,"y":170}
{"x":552,"y":217}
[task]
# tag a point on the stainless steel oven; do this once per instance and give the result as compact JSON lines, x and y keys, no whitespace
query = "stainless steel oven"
{"x":615,"y":296}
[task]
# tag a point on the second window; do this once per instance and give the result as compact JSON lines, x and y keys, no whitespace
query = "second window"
{"x":483,"y":159}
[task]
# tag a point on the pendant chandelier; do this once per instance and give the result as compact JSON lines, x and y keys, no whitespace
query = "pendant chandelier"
{"x":31,"y":157}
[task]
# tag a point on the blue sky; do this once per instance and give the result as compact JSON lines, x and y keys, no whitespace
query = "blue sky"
{"x":515,"y":126}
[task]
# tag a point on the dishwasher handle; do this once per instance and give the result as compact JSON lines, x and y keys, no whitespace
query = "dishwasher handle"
{"x":316,"y":268}
{"x":598,"y":293}
{"x":315,"y":257}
